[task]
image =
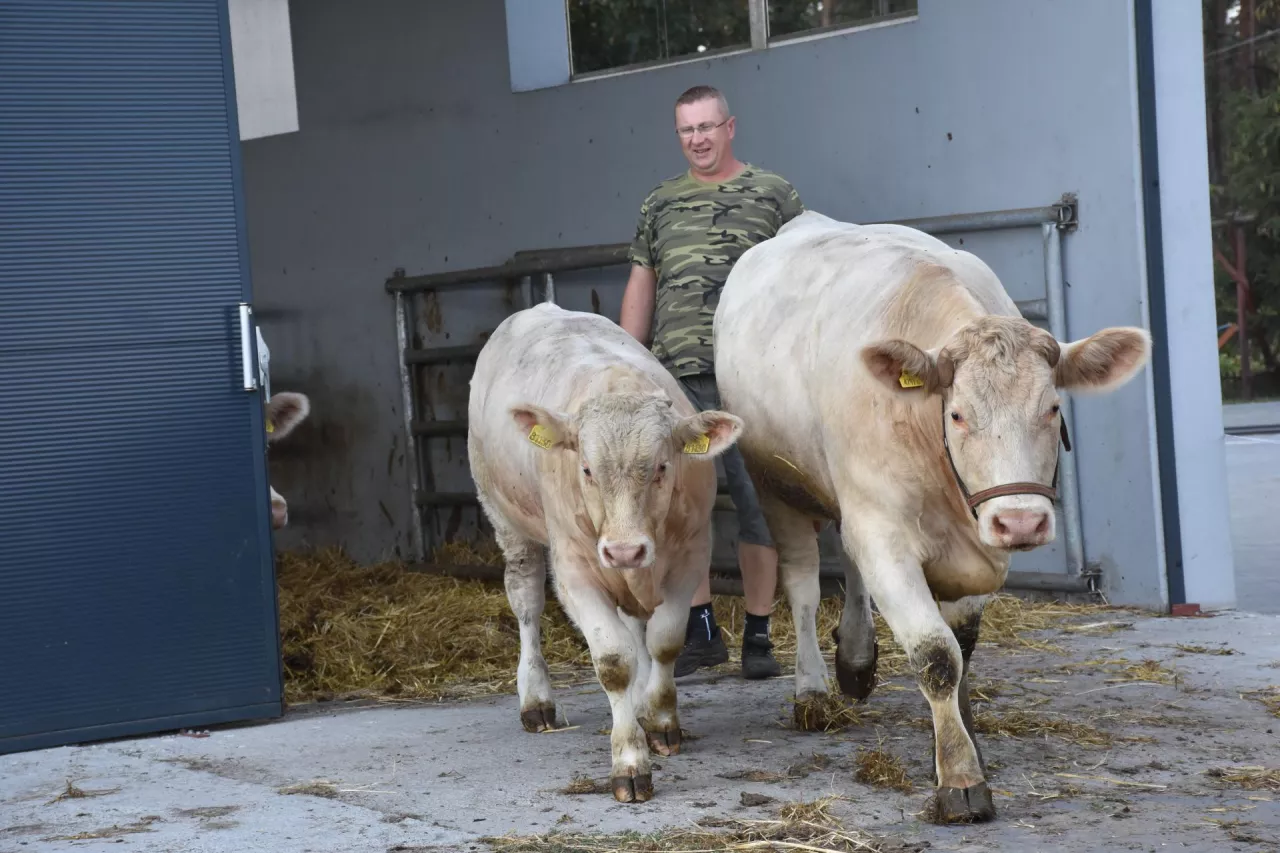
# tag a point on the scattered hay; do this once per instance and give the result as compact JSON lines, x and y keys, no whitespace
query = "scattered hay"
{"x":1150,"y":671}
{"x":1248,"y":777}
{"x":384,"y":631}
{"x":882,"y":769}
{"x":319,"y":788}
{"x":381,"y":631}
{"x":582,"y":784}
{"x":827,"y":712}
{"x":1203,"y":650}
{"x":114,"y":831}
{"x":798,"y":826}
{"x":1020,"y":723}
{"x":1268,"y":696}
{"x":74,"y":792}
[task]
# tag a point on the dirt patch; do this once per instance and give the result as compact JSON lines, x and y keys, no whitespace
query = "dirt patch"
{"x":113,"y":831}
{"x":319,"y":788}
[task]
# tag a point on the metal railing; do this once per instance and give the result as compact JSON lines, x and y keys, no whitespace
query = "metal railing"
{"x":542,"y":264}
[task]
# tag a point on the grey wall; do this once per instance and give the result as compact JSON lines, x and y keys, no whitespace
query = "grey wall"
{"x":414,"y":153}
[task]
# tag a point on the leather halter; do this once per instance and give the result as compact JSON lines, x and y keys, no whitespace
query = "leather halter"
{"x":973,"y":501}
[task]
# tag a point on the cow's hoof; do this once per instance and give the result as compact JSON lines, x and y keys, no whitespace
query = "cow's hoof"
{"x":857,"y":682}
{"x":539,"y":718}
{"x":664,"y":742}
{"x":963,"y":805}
{"x":632,"y":789}
{"x":811,"y":712}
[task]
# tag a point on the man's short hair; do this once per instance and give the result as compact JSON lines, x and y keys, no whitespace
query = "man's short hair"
{"x":700,"y":93}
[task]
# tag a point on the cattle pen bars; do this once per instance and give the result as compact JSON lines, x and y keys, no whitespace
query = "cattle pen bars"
{"x":541,"y":265}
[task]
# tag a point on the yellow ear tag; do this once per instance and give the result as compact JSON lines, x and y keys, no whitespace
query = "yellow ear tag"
{"x":271,"y":427}
{"x":910,"y":380}
{"x":539,"y":436}
{"x":698,"y":445}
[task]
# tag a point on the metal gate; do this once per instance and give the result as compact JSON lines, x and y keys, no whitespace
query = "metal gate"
{"x":136,"y":584}
{"x":533,"y":272}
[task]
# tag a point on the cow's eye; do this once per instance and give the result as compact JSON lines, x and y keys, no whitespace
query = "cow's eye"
{"x":955,"y":416}
{"x":586,"y":472}
{"x":1054,"y":409}
{"x":662,"y":469}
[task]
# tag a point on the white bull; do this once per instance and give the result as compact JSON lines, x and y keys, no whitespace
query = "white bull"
{"x":891,"y":385}
{"x":579,"y":440}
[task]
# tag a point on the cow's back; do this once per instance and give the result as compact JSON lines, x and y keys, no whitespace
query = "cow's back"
{"x":793,"y":316}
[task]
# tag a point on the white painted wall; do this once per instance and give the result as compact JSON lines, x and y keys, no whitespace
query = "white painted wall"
{"x":262,"y":52}
{"x":1199,"y":443}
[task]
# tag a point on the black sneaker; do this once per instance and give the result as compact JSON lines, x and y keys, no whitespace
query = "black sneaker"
{"x":757,"y":658}
{"x":699,"y":652}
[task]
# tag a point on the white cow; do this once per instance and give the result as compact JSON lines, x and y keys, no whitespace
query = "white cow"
{"x":891,"y":385}
{"x":579,"y":440}
{"x":283,"y":414}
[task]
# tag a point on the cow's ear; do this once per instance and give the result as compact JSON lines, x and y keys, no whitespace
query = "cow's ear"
{"x":545,"y":428}
{"x":1103,"y":361}
{"x":903,"y":367}
{"x":707,"y":434}
{"x":284,"y":412}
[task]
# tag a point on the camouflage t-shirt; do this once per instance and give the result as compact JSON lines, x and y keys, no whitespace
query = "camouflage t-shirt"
{"x":691,"y":233}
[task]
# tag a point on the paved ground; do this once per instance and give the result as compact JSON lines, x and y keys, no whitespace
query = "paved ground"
{"x":398,"y":778}
{"x":1251,"y":415}
{"x":1253,"y":477}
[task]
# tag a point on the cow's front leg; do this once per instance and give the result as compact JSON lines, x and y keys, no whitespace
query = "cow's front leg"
{"x":896,"y":581}
{"x":613,"y":652}
{"x":797,"y":544}
{"x":525,"y":579}
{"x":664,"y":638}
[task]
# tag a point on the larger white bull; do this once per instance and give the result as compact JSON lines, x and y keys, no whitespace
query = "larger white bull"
{"x":579,"y":440}
{"x":891,"y":385}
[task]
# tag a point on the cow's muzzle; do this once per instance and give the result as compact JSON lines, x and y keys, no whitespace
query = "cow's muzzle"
{"x":632,"y":552}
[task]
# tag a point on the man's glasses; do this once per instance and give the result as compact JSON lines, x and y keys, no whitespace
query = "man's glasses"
{"x":704,"y":128}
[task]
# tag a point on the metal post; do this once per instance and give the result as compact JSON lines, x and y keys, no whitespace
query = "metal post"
{"x":1070,"y":488}
{"x":758,"y":20}
{"x":548,"y":288}
{"x":526,"y":290}
{"x":408,"y":396}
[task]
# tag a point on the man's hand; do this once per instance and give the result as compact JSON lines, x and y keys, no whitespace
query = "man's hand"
{"x":636,"y":315}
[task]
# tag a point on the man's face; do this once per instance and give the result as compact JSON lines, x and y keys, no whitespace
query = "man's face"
{"x":706,"y":146}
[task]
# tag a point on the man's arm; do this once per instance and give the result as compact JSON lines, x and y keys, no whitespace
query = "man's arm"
{"x":636,"y":315}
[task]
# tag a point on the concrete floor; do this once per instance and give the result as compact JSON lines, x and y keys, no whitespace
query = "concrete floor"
{"x":413,"y":777}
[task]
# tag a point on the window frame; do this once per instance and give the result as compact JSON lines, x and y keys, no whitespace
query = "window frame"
{"x":761,"y":40}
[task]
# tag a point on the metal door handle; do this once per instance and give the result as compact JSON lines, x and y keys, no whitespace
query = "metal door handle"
{"x":246,"y":348}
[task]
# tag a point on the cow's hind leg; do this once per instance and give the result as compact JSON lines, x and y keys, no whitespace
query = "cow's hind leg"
{"x":965,"y":619}
{"x":797,"y":545}
{"x":613,"y":652}
{"x":856,"y":647}
{"x":896,"y":580}
{"x":525,"y":578}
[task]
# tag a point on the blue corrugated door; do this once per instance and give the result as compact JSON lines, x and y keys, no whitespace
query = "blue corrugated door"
{"x":136,"y":580}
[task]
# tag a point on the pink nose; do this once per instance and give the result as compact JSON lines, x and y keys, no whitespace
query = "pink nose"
{"x":279,"y":514}
{"x":1019,"y":527}
{"x":620,"y":555}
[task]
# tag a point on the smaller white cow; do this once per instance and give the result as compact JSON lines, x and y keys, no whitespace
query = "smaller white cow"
{"x":892,"y":386}
{"x":284,"y":412}
{"x":579,"y":440}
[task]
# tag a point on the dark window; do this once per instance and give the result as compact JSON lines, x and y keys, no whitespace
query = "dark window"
{"x":798,"y":17}
{"x":608,"y":34}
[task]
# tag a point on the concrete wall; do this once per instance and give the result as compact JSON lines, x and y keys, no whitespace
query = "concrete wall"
{"x":415,"y":153}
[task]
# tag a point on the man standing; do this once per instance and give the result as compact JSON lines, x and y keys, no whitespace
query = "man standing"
{"x":692,"y":229}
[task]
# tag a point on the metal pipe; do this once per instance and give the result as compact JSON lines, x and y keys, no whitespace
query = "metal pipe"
{"x":1056,"y":297}
{"x":407,"y":401}
{"x":611,"y":254}
{"x":549,"y":288}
